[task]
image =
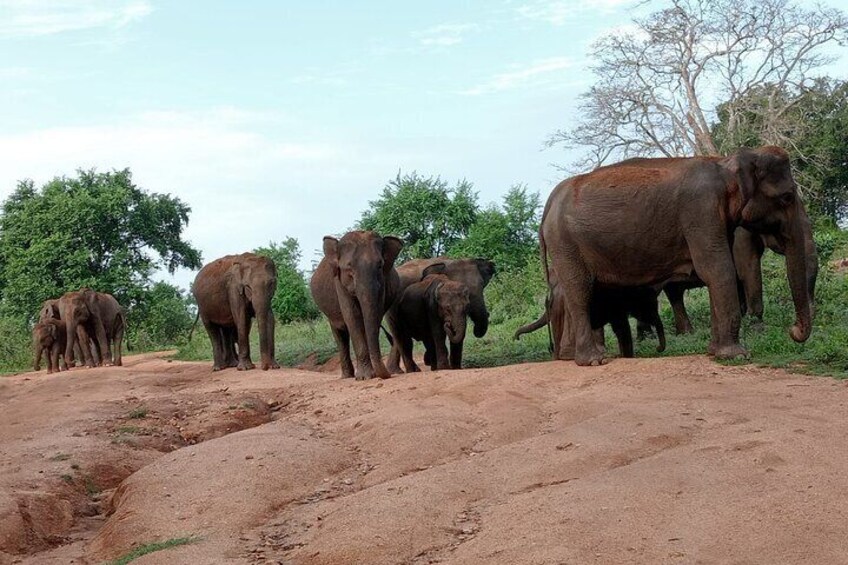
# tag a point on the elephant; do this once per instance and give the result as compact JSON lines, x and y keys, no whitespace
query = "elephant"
{"x":473,"y":273}
{"x":354,"y":285}
{"x":609,"y":306}
{"x":96,"y":314}
{"x":49,"y":339}
{"x":748,"y":249}
{"x":666,"y":220}
{"x":50,"y":311}
{"x":230,"y":292}
{"x":431,"y":311}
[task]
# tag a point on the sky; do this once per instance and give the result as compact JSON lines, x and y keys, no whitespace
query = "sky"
{"x":282,"y":118}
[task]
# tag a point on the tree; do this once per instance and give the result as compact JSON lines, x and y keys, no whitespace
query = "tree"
{"x":657,"y":85}
{"x":814,"y":129}
{"x":507,"y":235}
{"x":97,"y":230}
{"x":424,"y":212}
{"x":292,"y":300}
{"x":160,"y":316}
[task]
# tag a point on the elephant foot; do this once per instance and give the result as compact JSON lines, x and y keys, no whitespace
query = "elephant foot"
{"x":734,"y":351}
{"x":245,"y":366}
{"x":685,"y":329}
{"x":119,"y":363}
{"x":215,"y":368}
{"x":594,"y":359}
{"x":271,"y":365}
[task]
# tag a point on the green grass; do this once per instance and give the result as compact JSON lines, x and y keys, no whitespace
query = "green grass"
{"x":137,"y":413}
{"x":147,"y":548}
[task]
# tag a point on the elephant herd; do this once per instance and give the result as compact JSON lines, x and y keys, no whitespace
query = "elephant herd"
{"x":611,"y":240}
{"x":81,"y":325}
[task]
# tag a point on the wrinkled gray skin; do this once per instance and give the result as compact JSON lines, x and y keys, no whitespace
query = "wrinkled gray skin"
{"x":230,"y":292}
{"x":473,"y":273}
{"x":353,"y":286}
{"x":663,"y":222}
{"x":50,"y":311}
{"x":96,"y":314}
{"x":748,"y":249}
{"x":431,"y":311}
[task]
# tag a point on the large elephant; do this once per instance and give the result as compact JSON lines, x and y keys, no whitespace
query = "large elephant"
{"x":95,"y":314}
{"x":50,"y":311}
{"x":473,"y":273}
{"x":648,"y":224}
{"x":748,"y":249}
{"x":354,"y":285}
{"x":432,"y":310}
{"x":230,"y":292}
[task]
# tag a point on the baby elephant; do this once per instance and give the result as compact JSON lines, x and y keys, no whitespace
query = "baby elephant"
{"x":49,"y":338}
{"x":614,"y":306}
{"x":432,"y":310}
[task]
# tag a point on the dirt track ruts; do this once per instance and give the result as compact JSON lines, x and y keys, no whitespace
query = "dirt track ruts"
{"x":675,"y":460}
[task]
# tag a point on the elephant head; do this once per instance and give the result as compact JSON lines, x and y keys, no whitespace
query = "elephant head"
{"x":49,"y":310}
{"x":475,"y":274}
{"x":451,"y":302}
{"x":764,"y":199}
{"x":365,"y":281}
{"x":255,"y":279}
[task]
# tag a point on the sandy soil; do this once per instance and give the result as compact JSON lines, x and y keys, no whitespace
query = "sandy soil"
{"x":640,"y":461}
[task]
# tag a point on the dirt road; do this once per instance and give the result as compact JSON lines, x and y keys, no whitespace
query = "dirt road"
{"x":640,"y":461}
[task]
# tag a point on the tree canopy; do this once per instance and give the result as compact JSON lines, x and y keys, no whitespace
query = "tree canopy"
{"x":425,"y":212}
{"x":95,"y":229}
{"x":659,"y":82}
{"x":292,"y":300}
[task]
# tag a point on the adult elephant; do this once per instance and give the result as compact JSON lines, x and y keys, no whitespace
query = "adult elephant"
{"x":473,"y":273}
{"x":748,"y":249}
{"x":627,"y":225}
{"x":98,"y":315}
{"x":230,"y":292}
{"x":50,"y":311}
{"x":354,"y":285}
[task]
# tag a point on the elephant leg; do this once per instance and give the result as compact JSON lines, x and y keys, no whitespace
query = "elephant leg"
{"x":406,"y":351}
{"x":356,"y":328}
{"x":716,"y":269}
{"x":682,"y":323}
{"x":456,"y":355}
{"x":342,"y":338}
{"x":216,"y":338}
{"x":576,"y":283}
{"x":117,"y":340}
{"x":396,"y":352}
{"x":102,"y":342}
{"x":243,"y":320}
{"x":643,"y":330}
{"x":600,"y":340}
{"x":430,"y":357}
{"x":54,"y":358}
{"x":84,"y":345}
{"x":748,"y":250}
{"x":621,"y":328}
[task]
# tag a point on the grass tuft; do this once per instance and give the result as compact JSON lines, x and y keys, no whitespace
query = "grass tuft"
{"x":148,"y":548}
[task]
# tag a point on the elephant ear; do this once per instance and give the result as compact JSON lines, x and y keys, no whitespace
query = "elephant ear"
{"x":51,"y":329}
{"x":434,"y":269}
{"x":391,"y":249}
{"x":238,"y":274}
{"x":486,"y":268}
{"x":744,"y":166}
{"x":331,"y":253}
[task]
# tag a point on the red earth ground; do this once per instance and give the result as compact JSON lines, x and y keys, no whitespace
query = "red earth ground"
{"x":675,"y":460}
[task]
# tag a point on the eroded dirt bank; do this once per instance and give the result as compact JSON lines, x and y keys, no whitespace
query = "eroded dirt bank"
{"x":652,"y":460}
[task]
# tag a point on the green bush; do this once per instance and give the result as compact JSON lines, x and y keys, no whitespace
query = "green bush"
{"x":16,"y":352}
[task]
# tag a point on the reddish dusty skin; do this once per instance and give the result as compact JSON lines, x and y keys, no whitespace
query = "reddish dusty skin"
{"x":673,"y":460}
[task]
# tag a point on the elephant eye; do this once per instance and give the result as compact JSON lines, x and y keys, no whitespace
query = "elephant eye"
{"x":787,"y":198}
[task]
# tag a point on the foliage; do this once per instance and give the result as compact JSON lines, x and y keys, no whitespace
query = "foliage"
{"x":97,"y":230}
{"x":507,"y":235}
{"x":162,"y":315}
{"x":428,"y":215}
{"x":292,"y":300}
{"x":16,"y":351}
{"x":657,"y":84}
{"x":814,"y":129}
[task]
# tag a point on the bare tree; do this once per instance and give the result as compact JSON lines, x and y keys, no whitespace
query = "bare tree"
{"x":659,"y":84}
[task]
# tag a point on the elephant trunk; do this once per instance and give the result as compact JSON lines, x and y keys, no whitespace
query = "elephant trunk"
{"x":796,"y":271}
{"x":372,"y":317}
{"x":265,"y":325}
{"x":479,"y":315}
{"x":455,"y":328}
{"x":70,"y":340}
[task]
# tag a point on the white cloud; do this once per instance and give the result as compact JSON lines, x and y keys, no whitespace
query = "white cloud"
{"x":32,"y":18}
{"x":560,"y":12}
{"x":444,"y":35}
{"x":536,"y":74}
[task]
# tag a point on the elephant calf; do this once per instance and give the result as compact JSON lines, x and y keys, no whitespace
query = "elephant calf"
{"x":431,"y":311}
{"x":49,"y":339}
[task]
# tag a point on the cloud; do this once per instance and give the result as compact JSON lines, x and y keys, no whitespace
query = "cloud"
{"x":444,"y":35}
{"x":536,"y":74}
{"x":560,"y":12}
{"x":34,"y":18}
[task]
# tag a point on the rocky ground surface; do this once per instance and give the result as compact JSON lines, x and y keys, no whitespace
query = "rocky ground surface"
{"x":675,"y":460}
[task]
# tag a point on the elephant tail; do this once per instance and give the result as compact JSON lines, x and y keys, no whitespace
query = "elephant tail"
{"x":194,"y":325}
{"x":532,"y":326}
{"x":388,"y":335}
